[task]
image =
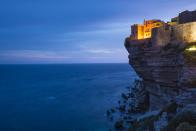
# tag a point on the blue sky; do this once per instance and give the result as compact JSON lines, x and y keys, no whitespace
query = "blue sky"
{"x":75,"y":31}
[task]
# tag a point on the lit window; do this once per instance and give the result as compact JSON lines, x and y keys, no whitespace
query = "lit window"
{"x":191,"y":48}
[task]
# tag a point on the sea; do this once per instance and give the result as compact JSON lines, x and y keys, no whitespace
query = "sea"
{"x":60,"y":97}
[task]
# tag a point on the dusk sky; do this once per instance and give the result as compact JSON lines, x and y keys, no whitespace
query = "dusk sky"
{"x":75,"y":31}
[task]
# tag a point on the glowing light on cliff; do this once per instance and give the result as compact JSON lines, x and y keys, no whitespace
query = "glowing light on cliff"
{"x":144,"y":31}
{"x":192,"y":48}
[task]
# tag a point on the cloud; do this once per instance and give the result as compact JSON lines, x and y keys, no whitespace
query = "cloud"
{"x":84,"y":55}
{"x":105,"y":51}
{"x":38,"y":54}
{"x":33,"y":54}
{"x":103,"y":29}
{"x":100,"y":41}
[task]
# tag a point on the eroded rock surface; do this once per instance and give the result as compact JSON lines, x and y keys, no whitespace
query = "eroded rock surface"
{"x":165,"y":97}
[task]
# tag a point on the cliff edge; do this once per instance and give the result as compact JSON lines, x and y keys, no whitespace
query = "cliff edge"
{"x":165,"y":96}
{"x":166,"y":63}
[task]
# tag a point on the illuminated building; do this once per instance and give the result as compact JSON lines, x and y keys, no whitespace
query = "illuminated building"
{"x":144,"y":31}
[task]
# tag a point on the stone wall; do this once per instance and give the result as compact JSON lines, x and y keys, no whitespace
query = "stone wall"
{"x":185,"y":33}
{"x":161,"y":36}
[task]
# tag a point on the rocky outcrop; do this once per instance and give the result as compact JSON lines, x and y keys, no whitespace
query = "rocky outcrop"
{"x":165,"y":97}
{"x":134,"y":102}
{"x":168,"y":66}
{"x":167,"y":71}
{"x":136,"y":111}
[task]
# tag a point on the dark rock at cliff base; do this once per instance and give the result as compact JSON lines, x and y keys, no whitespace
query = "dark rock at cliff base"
{"x":108,"y":113}
{"x":185,"y":126}
{"x":112,"y":110}
{"x":124,"y":96}
{"x":122,"y":108}
{"x":131,"y":121}
{"x":111,"y":118}
{"x":170,"y":108}
{"x":187,"y":114}
{"x":119,"y":124}
{"x":135,"y":114}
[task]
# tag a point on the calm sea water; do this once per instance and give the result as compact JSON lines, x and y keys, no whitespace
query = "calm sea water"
{"x":71,"y":97}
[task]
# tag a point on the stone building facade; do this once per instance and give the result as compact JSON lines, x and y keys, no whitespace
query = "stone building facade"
{"x":144,"y":31}
{"x":185,"y":33}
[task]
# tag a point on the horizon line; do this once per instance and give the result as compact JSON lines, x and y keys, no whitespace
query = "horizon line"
{"x":60,"y":63}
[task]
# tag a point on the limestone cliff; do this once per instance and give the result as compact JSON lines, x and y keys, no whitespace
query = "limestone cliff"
{"x":166,"y":48}
{"x":166,"y":69}
{"x":165,"y":97}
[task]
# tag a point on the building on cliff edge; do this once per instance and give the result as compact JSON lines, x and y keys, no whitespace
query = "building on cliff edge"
{"x":181,"y":29}
{"x":143,"y":31}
